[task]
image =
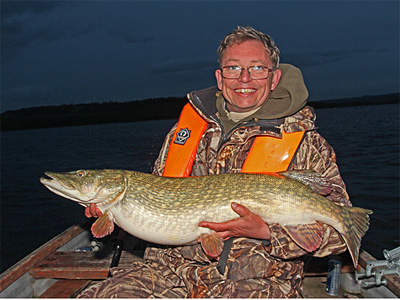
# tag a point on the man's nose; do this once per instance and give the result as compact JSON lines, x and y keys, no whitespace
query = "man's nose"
{"x":245,"y":75}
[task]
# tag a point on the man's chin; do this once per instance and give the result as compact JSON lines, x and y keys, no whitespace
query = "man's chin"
{"x":242,"y":108}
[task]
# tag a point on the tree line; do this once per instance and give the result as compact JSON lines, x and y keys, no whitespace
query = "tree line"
{"x":133,"y":111}
{"x":93,"y":113}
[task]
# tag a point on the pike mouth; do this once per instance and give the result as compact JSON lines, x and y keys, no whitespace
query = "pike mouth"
{"x":54,"y":182}
{"x":60,"y":188}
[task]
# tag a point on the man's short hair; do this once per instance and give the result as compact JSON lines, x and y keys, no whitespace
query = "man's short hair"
{"x":241,"y":34}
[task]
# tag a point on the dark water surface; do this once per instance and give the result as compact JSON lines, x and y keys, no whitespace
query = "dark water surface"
{"x":366,"y":140}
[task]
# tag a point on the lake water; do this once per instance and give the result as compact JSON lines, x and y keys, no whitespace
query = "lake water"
{"x":366,"y":140}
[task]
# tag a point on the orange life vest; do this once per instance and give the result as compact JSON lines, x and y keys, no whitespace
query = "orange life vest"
{"x":267,"y":154}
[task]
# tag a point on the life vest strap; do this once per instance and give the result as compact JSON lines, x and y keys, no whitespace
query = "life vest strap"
{"x":183,"y":148}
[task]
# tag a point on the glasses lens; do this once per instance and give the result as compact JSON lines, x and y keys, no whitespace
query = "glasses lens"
{"x":234,"y":72}
{"x":257,"y":72}
{"x":231,"y":72}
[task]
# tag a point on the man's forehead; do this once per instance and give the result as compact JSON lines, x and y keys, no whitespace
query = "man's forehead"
{"x":238,"y":60}
{"x":253,"y":45}
{"x":252,"y":59}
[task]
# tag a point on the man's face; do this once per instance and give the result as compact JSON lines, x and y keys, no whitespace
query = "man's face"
{"x":246,"y":94}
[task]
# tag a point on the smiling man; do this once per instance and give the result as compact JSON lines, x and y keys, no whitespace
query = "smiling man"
{"x":255,"y":120}
{"x":247,"y":76}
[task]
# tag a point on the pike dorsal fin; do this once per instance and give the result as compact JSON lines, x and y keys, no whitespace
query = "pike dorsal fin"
{"x":307,"y":236}
{"x":103,"y":226}
{"x":314,"y":180}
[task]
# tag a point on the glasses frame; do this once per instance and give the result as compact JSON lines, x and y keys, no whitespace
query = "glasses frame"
{"x":248,"y":69}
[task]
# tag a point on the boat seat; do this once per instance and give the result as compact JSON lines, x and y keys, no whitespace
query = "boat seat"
{"x":79,"y":265}
{"x":76,"y":270}
{"x":66,"y":288}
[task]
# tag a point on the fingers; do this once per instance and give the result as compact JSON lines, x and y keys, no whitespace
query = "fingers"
{"x":87,"y":212}
{"x":240,"y":209}
{"x":247,"y":225}
{"x":92,"y":211}
{"x":226,"y":227}
{"x":216,"y":226}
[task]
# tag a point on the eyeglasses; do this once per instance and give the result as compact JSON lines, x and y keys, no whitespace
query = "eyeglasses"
{"x":256,"y":72}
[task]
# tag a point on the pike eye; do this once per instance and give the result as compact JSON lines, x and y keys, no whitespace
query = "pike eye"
{"x":80,"y":173}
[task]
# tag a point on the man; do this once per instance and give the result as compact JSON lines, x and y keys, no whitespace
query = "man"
{"x":256,"y":120}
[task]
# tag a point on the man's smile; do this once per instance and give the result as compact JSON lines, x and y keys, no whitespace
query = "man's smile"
{"x":245,"y":91}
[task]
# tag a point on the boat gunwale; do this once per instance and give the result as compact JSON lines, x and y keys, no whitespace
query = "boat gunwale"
{"x":393,"y":284}
{"x":24,"y":265}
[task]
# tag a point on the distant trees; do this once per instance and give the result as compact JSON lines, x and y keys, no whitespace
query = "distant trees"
{"x":94,"y":113}
{"x":150,"y":109}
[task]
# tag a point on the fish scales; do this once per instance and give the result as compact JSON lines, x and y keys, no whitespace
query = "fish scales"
{"x":167,"y":210}
{"x":185,"y":195}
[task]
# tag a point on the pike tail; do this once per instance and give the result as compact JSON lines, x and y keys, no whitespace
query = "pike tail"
{"x":355,"y":225}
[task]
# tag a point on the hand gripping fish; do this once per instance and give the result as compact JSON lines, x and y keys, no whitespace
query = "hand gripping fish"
{"x":167,"y":211}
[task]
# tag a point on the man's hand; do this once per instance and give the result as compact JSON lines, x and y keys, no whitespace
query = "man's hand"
{"x":247,"y":225}
{"x":92,"y":211}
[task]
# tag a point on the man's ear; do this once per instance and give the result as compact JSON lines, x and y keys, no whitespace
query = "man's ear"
{"x":275,"y":78}
{"x":218,"y":76}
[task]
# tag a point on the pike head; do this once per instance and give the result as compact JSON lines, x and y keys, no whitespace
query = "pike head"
{"x":102,"y":187}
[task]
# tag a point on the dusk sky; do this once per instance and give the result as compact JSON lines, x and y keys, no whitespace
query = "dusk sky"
{"x":70,"y":52}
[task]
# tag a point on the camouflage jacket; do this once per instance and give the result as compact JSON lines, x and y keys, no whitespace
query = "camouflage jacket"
{"x":220,"y":153}
{"x":252,"y":270}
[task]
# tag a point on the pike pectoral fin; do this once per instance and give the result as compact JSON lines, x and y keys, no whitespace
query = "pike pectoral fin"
{"x":103,"y":226}
{"x":307,"y":236}
{"x":212,"y":244}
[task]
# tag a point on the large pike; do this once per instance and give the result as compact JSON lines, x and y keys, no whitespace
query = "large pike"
{"x":167,"y":210}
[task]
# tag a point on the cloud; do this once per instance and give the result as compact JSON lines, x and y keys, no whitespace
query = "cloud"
{"x":27,"y":22}
{"x":132,"y":38}
{"x":12,"y":8}
{"x":16,"y":97}
{"x":183,"y":66}
{"x":16,"y":35}
{"x":318,"y":58}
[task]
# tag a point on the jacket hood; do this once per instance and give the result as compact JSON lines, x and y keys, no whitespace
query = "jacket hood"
{"x":288,"y":98}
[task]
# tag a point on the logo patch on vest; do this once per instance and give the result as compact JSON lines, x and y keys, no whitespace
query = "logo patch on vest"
{"x":182,"y":136}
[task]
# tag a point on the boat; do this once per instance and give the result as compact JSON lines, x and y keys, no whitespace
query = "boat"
{"x":73,"y":260}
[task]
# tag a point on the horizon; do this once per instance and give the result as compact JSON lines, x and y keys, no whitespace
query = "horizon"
{"x":184,"y":97}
